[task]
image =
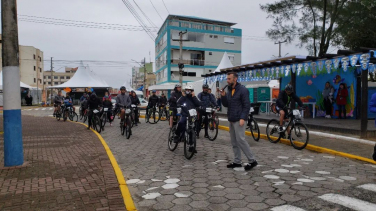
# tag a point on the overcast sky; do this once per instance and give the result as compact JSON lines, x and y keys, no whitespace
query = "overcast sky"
{"x":73,"y":43}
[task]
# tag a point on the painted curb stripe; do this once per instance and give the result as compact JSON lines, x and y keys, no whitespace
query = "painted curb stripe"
{"x":370,"y":187}
{"x":311,"y":147}
{"x":352,"y":203}
{"x":286,"y":208}
{"x":128,"y":201}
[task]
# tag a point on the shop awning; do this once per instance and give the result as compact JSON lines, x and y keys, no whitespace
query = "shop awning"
{"x":166,"y":86}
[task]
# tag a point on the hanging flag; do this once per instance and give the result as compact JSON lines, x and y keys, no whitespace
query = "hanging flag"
{"x":306,"y":67}
{"x":314,"y":68}
{"x":336,"y":62}
{"x":328,"y":66}
{"x":371,"y":68}
{"x":293,"y":68}
{"x":354,"y":59}
{"x":300,"y":68}
{"x":287,"y":70}
{"x":345,"y":63}
{"x":364,"y":60}
{"x":320,"y":65}
{"x":277,"y":72}
{"x":272,"y":72}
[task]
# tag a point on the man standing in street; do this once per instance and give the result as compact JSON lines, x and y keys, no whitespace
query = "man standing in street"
{"x":238,"y":104}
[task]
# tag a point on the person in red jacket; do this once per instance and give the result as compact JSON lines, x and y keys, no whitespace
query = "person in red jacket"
{"x":342,"y":100}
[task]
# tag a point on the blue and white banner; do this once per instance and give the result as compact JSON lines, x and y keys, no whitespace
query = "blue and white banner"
{"x":345,"y":63}
{"x":328,"y":65}
{"x":354,"y":59}
{"x":364,"y":60}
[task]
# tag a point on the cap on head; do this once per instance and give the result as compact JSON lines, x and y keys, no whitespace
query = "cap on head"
{"x":289,"y":88}
{"x":188,"y":87}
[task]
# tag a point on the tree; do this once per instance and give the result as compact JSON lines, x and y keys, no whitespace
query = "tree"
{"x":313,"y":22}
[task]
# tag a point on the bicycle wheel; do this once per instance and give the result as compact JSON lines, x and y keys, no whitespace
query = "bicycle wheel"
{"x":212,"y":129}
{"x":122,"y":129}
{"x":65,"y":116}
{"x":128,"y":130}
{"x":58,"y":115}
{"x":299,"y":136}
{"x":98,"y":124}
{"x":74,"y":117}
{"x":171,"y":145}
{"x":190,"y":145}
{"x":133,"y":117}
{"x":156,"y":117}
{"x":255,"y":130}
{"x":103,"y":120}
{"x":272,"y":131}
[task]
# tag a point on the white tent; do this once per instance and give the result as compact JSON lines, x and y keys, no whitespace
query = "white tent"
{"x":225,"y":63}
{"x":83,"y":78}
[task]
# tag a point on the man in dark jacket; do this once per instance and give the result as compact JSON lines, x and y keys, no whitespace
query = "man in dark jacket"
{"x":93,"y":103}
{"x":238,"y":105}
{"x":173,"y":99}
{"x":207,"y":100}
{"x":108,"y":104}
{"x":283,"y":101}
{"x":190,"y":101}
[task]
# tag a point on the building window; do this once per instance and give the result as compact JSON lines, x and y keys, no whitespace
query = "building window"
{"x":192,"y":74}
{"x":44,"y":77}
{"x":34,"y":56}
{"x":40,"y":59}
{"x":55,"y":77}
{"x":215,"y":36}
{"x":229,"y":40}
{"x":210,"y":53}
{"x":34,"y":68}
{"x":49,"y":83}
{"x":56,"y":83}
{"x":68,"y":77}
{"x":40,"y":80}
{"x":49,"y":77}
{"x":231,"y":57}
{"x":196,"y":59}
{"x":61,"y":77}
{"x":40,"y":69}
{"x":35,"y":80}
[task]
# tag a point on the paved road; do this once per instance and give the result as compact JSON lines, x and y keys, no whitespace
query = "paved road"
{"x":163,"y":180}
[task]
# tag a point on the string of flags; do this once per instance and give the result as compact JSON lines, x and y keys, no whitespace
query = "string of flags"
{"x":308,"y":68}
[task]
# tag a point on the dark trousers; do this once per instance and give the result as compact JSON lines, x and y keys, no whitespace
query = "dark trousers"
{"x":199,"y":123}
{"x":342,"y":108}
{"x":181,"y":126}
{"x":219,"y":103}
{"x":328,"y":106}
{"x":136,"y":115}
{"x":90,"y":117}
{"x":109,"y":114}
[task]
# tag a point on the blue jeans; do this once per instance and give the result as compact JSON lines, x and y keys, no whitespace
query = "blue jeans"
{"x":181,"y":126}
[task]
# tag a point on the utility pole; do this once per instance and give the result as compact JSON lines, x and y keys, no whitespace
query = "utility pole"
{"x":51,"y":82}
{"x":144,"y":77}
{"x":181,"y":65}
{"x":13,"y":145}
{"x":279,"y":43}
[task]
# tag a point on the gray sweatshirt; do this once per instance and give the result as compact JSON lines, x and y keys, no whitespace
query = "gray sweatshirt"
{"x":124,"y":100}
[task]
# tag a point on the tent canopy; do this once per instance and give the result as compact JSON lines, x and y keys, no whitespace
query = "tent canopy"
{"x":225,"y":63}
{"x":83,"y":78}
{"x":22,"y":85}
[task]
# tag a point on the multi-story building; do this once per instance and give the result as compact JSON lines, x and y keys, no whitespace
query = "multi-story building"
{"x":58,"y":77}
{"x":208,"y":41}
{"x":138,"y":74}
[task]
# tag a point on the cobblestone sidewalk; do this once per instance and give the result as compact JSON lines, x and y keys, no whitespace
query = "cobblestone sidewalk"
{"x":66,"y":168}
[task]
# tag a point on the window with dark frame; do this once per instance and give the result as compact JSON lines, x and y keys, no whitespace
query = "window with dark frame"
{"x":34,"y":56}
{"x":34,"y":68}
{"x":35,"y":80}
{"x":210,"y":53}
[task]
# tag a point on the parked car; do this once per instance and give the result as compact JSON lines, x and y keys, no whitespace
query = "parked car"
{"x":144,"y":103}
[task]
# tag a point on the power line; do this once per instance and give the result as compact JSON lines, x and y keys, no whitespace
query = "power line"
{"x":165,"y":6}
{"x":147,"y":18}
{"x":156,"y":10}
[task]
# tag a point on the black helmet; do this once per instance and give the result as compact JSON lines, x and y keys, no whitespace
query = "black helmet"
{"x":205,"y":86}
{"x":289,"y":88}
{"x":122,"y":87}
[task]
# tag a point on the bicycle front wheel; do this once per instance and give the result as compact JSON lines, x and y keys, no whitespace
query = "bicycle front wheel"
{"x":212,"y":129}
{"x":171,"y":145}
{"x":74,"y":117}
{"x":255,"y":130}
{"x":299,"y":136}
{"x":272,"y":131}
{"x":190,"y":145}
{"x":98,"y":124}
{"x":128,"y":130}
{"x":122,"y":129}
{"x":156,"y":117}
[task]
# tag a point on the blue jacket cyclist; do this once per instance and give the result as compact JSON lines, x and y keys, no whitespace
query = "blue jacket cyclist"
{"x":188,"y":101}
{"x":207,"y":100}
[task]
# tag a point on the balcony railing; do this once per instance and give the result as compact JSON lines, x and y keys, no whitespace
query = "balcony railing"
{"x":194,"y":62}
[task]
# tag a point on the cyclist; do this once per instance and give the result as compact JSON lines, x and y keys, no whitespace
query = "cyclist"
{"x":190,"y":101}
{"x":69,"y":102}
{"x":57,"y":102}
{"x":153,"y":101}
{"x":283,"y":101}
{"x":207,"y":99}
{"x":106,"y":94}
{"x":210,"y":92}
{"x":84,"y":97}
{"x":123,"y":99}
{"x":162,"y":102}
{"x":173,"y":99}
{"x":93,"y":103}
{"x":108,"y":104}
{"x":135,"y":101}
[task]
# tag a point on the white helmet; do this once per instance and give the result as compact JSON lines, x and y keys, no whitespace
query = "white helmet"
{"x":189,"y":87}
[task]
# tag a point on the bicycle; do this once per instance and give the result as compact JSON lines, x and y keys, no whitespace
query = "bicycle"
{"x":96,"y":121}
{"x":83,"y":114}
{"x":72,"y":115}
{"x":297,"y":130}
{"x":163,"y":113}
{"x":58,"y":113}
{"x":125,"y":125}
{"x":190,"y":138}
{"x":104,"y":117}
{"x":213,"y":123}
{"x":152,"y":113}
{"x":253,"y":126}
{"x":171,"y":145}
{"x":133,"y":115}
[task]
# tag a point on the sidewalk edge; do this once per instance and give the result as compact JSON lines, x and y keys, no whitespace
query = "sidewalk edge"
{"x":128,"y":201}
{"x":312,"y":147}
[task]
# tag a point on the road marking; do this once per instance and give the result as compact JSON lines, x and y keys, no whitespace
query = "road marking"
{"x":43,"y":109}
{"x":352,"y":203}
{"x":370,"y":187}
{"x":36,"y":109}
{"x":51,"y":109}
{"x":286,"y":208}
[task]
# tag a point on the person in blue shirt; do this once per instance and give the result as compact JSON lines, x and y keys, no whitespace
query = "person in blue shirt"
{"x":372,"y":108}
{"x":207,"y":100}
{"x":188,"y":100}
{"x":84,"y":97}
{"x":69,"y":102}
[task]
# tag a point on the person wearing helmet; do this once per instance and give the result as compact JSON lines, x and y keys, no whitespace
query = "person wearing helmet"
{"x":106,"y":95}
{"x":172,"y":101}
{"x":153,"y":101}
{"x":135,"y":101}
{"x":108,"y":104}
{"x":93,"y":103}
{"x":190,"y":101}
{"x":123,"y":100}
{"x":207,"y":100}
{"x":283,"y":101}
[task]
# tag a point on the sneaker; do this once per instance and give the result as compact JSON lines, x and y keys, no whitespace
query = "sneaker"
{"x":233,"y":165}
{"x":206,"y":136}
{"x":374,"y":153}
{"x":250,"y":166}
